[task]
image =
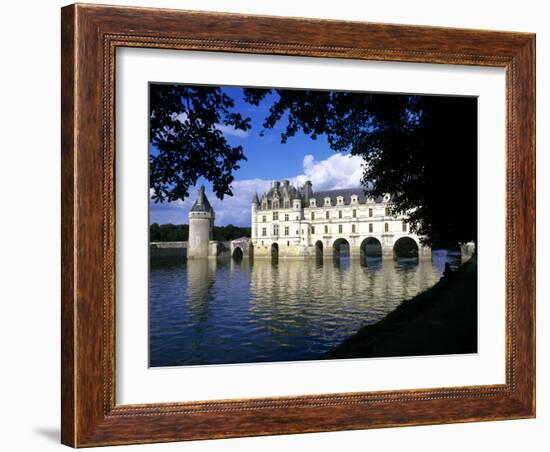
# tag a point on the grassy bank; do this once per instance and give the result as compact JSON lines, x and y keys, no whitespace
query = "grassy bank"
{"x":441,"y":320}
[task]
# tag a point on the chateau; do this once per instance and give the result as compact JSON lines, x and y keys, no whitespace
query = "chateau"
{"x":290,"y":221}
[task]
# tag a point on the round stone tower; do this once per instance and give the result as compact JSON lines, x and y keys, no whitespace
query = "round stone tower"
{"x":201,"y":222}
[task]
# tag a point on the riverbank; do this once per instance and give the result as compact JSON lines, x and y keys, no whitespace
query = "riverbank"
{"x":440,"y":321}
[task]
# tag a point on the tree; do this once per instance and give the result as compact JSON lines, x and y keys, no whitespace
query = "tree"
{"x":186,"y":140}
{"x":420,"y":149}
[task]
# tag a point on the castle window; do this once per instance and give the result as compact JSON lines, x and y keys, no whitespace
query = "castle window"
{"x":275,"y":204}
{"x":354,"y":213}
{"x":288,"y":243}
{"x":286,"y":230}
{"x":313,"y":215}
{"x":275,"y":215}
{"x":339,"y":228}
{"x":404,"y":226}
{"x":264,"y":232}
{"x":275,"y":229}
{"x":326,"y":229}
{"x":286,"y":216}
{"x":339,"y":214}
{"x":386,"y":227}
{"x":313,"y":229}
{"x":312,"y":202}
{"x":287,"y":204}
{"x":354,"y":199}
{"x":353,"y":229}
{"x":263,"y":219}
{"x":387,"y":212}
{"x":327,"y":214}
{"x":370,"y":212}
{"x":340,"y":200}
{"x":370,"y":227}
{"x":327,"y":201}
{"x":297,"y":205}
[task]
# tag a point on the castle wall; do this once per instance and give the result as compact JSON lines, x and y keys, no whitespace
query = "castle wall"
{"x":167,"y":250}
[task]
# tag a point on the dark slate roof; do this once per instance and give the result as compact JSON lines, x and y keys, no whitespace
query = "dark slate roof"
{"x":345,"y":192}
{"x":282,"y":191}
{"x":202,"y":204}
{"x":301,"y":193}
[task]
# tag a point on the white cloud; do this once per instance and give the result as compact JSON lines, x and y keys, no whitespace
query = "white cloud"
{"x":338,"y":171}
{"x":231,"y":131}
{"x":226,"y":130}
{"x":236,"y":209}
{"x":232,"y":209}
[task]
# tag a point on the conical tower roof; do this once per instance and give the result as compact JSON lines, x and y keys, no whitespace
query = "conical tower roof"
{"x":201,"y":203}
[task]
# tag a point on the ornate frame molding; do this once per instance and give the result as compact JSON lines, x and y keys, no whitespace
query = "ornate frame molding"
{"x":90,"y":36}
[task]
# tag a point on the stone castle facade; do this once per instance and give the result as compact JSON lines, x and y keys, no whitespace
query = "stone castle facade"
{"x":290,"y":221}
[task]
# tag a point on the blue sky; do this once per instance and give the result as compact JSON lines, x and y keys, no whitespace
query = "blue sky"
{"x":300,"y":159}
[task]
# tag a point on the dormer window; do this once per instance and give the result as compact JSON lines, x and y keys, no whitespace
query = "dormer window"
{"x":354,"y":199}
{"x":296,"y":204}
{"x":312,"y":203}
{"x":327,"y":201}
{"x":287,"y":204}
{"x":386,"y":197}
{"x":340,"y":200}
{"x":275,"y":204}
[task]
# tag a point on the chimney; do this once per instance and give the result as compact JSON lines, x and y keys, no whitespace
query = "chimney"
{"x":308,"y":191}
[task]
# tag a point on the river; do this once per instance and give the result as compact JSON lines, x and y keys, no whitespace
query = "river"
{"x":226,"y":311}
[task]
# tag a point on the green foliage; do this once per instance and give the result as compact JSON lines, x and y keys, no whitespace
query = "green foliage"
{"x":185,"y":131}
{"x":180,"y":232}
{"x":168,"y":232}
{"x":230,"y":232}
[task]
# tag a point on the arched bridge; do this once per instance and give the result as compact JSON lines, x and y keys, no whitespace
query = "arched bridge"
{"x":241,"y":248}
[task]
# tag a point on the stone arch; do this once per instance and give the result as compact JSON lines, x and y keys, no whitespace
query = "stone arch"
{"x":371,"y":247}
{"x":237,"y":253}
{"x":275,"y":251}
{"x":319,"y":249}
{"x":406,"y":247}
{"x":341,"y":247}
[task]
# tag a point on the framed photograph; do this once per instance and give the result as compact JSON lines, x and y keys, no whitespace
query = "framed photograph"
{"x":282,"y":225}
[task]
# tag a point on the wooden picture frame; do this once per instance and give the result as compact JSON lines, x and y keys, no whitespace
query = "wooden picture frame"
{"x":90,"y":36}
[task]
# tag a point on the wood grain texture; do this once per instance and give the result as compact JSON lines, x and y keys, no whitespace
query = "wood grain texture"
{"x":90,"y":36}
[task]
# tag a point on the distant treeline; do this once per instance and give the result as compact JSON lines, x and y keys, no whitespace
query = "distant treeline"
{"x":180,"y":232}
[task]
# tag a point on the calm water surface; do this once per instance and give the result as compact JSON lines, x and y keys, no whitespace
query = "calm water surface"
{"x":219,"y":312}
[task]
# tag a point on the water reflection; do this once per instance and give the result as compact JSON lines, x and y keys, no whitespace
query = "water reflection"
{"x":235,"y":311}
